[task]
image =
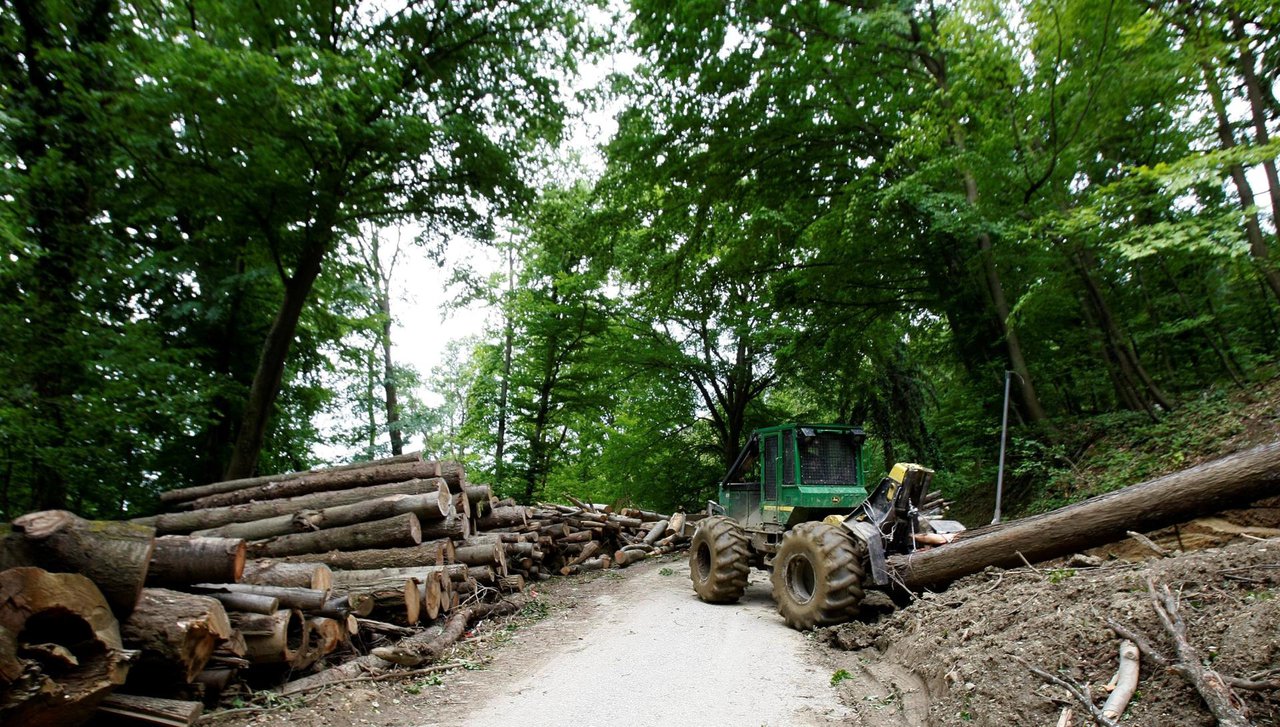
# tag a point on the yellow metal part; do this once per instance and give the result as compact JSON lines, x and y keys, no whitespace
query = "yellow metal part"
{"x":779,"y":508}
{"x":834,"y":519}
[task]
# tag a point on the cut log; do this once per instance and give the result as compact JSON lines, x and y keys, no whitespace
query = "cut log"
{"x":252,"y":624}
{"x":453,"y":473}
{"x":316,"y":576}
{"x":580,"y":536}
{"x":511,"y":584}
{"x":133,"y":709}
{"x":677,"y":524}
{"x":383,"y":578}
{"x":181,"y":559}
{"x":427,"y":553}
{"x":656,"y":531}
{"x":187,"y":494}
{"x":300,"y":598}
{"x":430,"y":592}
{"x":323,"y":482}
{"x":215,"y":679}
{"x":114,"y":555}
{"x":398,"y":531}
{"x":429,"y":506}
{"x":494,"y":555}
{"x":185,"y":522}
{"x":247,"y":602}
{"x":176,"y":632}
{"x":1221,"y":484}
{"x":1125,"y":680}
{"x":480,"y":497}
{"x":502,"y":517}
{"x":65,"y":610}
{"x":288,"y":637}
{"x":454,"y":528}
{"x":326,"y":635}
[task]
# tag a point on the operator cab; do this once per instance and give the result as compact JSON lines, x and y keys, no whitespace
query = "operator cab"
{"x":795,"y":472}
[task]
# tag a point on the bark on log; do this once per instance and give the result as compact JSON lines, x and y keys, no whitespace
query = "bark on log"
{"x":300,"y":598}
{"x":656,"y":532}
{"x":480,"y":497}
{"x":186,"y":494}
{"x":181,"y":559}
{"x":1125,"y":680}
{"x":185,"y":522}
{"x":176,"y":632}
{"x":355,"y":580}
{"x":114,"y":555}
{"x":252,"y":624}
{"x":247,"y":602}
{"x":454,"y":528}
{"x":401,"y":530}
{"x":134,"y":709}
{"x":1218,"y":485}
{"x":494,"y":555}
{"x":316,"y":576}
{"x":502,"y":517}
{"x":323,"y":482}
{"x":288,"y":637}
{"x":454,"y":474}
{"x":64,"y":610}
{"x":430,"y":506}
{"x":427,"y":553}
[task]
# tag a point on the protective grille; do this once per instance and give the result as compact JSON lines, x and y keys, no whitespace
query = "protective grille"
{"x":788,"y":459}
{"x":828,"y":459}
{"x":770,"y":466}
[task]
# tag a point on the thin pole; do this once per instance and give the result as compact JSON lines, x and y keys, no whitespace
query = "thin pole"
{"x":1004,"y":431}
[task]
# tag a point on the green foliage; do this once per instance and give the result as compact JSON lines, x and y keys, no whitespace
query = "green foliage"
{"x":840,"y":675}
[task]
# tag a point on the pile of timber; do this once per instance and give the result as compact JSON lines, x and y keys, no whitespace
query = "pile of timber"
{"x":299,"y":579}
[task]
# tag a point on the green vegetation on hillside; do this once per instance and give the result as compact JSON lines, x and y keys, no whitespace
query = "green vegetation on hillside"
{"x":808,"y":211}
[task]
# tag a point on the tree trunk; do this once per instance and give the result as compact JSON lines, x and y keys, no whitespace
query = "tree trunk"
{"x":381,"y":579}
{"x":398,"y":531}
{"x":315,"y":576}
{"x":1257,"y":109}
{"x":186,"y":494}
{"x":275,"y":352}
{"x":185,"y":522}
{"x":508,"y":333}
{"x":1253,"y":231}
{"x":61,"y":614}
{"x":427,"y":507}
{"x":114,"y":555}
{"x":323,"y":482}
{"x":388,"y":372}
{"x":177,"y":633}
{"x":428,"y":553}
{"x":1224,"y":483}
{"x":247,"y":602}
{"x":181,"y":559}
{"x":503,"y":517}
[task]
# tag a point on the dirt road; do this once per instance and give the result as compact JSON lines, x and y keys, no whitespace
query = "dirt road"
{"x":646,"y":647}
{"x":633,"y":647}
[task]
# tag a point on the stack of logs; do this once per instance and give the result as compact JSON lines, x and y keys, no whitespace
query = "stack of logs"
{"x":274,"y":579}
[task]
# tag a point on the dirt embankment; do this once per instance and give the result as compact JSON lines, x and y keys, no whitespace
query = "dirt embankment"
{"x":957,"y":651}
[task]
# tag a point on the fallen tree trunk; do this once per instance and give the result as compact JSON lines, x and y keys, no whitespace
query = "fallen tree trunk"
{"x":1218,"y":485}
{"x":359,"y":580}
{"x":400,"y":530}
{"x":429,"y":506}
{"x":185,"y":522}
{"x":502,"y":517}
{"x":186,"y":494}
{"x":428,"y":553}
{"x":182,"y":559}
{"x":323,"y":482}
{"x":78,"y":656}
{"x":288,"y":637}
{"x":114,"y":555}
{"x":176,"y":632}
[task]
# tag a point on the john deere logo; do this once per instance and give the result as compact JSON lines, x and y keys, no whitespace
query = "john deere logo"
{"x":836,"y":500}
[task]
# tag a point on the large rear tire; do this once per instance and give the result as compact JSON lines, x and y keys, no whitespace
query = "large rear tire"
{"x":719,"y":560}
{"x":817,"y":576}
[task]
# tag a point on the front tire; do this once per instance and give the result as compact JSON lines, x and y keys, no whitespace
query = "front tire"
{"x":817,"y":576}
{"x":719,"y":560}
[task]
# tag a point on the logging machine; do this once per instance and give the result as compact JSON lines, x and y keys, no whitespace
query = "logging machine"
{"x":796,"y":502}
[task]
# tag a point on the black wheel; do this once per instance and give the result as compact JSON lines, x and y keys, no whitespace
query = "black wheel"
{"x":719,"y":560}
{"x":817,"y":576}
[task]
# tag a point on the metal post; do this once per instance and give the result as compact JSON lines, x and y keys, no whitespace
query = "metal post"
{"x":1004,"y":430}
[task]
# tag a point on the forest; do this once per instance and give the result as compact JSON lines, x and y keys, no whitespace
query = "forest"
{"x":854,"y":212}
